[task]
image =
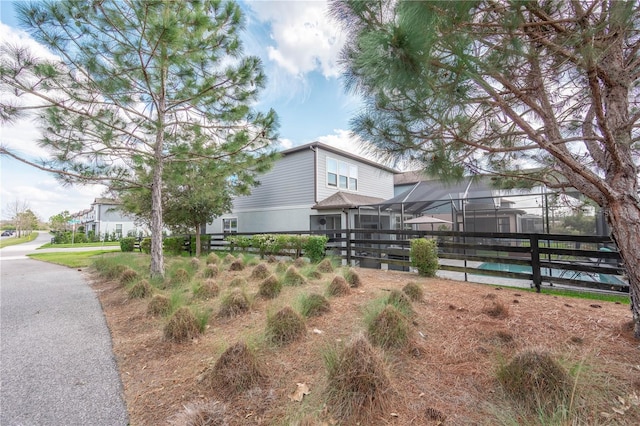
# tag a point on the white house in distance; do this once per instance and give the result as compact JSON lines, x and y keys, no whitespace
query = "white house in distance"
{"x":105,"y":217}
{"x":310,"y":187}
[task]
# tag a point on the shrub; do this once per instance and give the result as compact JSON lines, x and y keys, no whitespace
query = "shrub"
{"x":234,"y":303}
{"x":238,"y":282}
{"x":237,"y":265}
{"x":212,"y":259}
{"x":182,"y":326}
{"x":313,"y":305}
{"x":128,"y":275}
{"x":352,"y":278}
{"x":206,"y":290}
{"x":260,"y":272}
{"x":424,"y":256}
{"x":325,"y":266}
{"x":210,"y":271}
{"x":536,"y":381}
{"x":173,"y":245}
{"x":237,"y":370}
{"x":127,"y":244}
{"x":270,"y":287}
{"x":159,"y":305}
{"x":338,"y":287}
{"x":285,"y":326}
{"x":293,"y":278}
{"x":315,"y":247}
{"x":357,"y":382}
{"x":145,"y":245}
{"x":140,"y":290}
{"x":401,"y":302}
{"x":180,"y":276}
{"x":414,"y":291}
{"x":388,"y":329}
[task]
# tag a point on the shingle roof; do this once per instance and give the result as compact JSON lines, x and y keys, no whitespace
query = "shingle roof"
{"x":345,"y":200}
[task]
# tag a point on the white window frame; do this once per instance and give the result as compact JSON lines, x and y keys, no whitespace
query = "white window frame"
{"x":230,"y":229}
{"x":343,"y":173}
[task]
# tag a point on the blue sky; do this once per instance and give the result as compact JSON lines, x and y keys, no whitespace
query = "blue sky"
{"x":299,"y":46}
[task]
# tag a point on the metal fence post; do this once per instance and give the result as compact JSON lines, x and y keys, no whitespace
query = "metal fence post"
{"x":535,"y":261}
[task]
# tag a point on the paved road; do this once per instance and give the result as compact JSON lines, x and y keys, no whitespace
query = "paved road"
{"x":56,"y":361}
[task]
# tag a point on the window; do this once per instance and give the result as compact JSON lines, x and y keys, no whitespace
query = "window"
{"x":119,"y":230}
{"x":341,"y":174}
{"x":230,"y":225}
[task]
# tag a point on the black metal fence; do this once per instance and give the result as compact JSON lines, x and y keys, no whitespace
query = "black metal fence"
{"x":577,"y":261}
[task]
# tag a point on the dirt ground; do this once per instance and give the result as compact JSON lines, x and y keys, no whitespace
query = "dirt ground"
{"x":445,"y":376}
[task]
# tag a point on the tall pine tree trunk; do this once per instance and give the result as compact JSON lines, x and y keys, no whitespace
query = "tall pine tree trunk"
{"x":623,"y":215}
{"x":198,"y":246}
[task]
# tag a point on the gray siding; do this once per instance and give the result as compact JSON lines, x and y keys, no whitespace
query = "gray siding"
{"x":289,"y":183}
{"x":372,"y":181}
{"x":276,"y":220}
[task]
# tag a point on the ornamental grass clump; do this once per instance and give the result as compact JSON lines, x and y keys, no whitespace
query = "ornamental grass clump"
{"x":237,"y":370}
{"x":293,"y":278}
{"x":140,"y":290}
{"x":234,"y":303}
{"x":182,"y":326}
{"x":352,"y":277}
{"x":212,"y":259}
{"x":338,"y":287}
{"x":238,"y":282}
{"x":325,"y":266}
{"x":313,"y":305}
{"x":210,"y":271}
{"x":496,"y":309}
{"x":195,"y":263}
{"x":159,"y":305}
{"x":388,"y":329}
{"x":228,"y":259}
{"x":270,"y":287}
{"x":128,"y":275}
{"x":285,"y":326}
{"x":206,"y":290}
{"x":237,"y":265}
{"x":260,"y":272}
{"x":180,"y":276}
{"x":401,"y":302}
{"x":202,"y":413}
{"x":536,"y":382}
{"x":300,"y":263}
{"x":358,"y":387}
{"x":414,"y":291}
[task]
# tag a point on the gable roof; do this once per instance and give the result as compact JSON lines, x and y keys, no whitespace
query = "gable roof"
{"x":325,"y":147}
{"x":346,"y":200}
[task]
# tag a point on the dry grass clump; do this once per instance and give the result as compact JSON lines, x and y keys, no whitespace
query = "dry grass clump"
{"x":292,"y":277}
{"x":299,"y":262}
{"x":325,"y":266}
{"x":237,"y":370}
{"x":537,"y":382}
{"x":238,"y":282}
{"x":497,"y":309}
{"x":270,"y":287}
{"x":285,"y":326}
{"x":182,"y":326}
{"x":260,"y":272}
{"x":313,"y":274}
{"x":352,"y":278}
{"x":234,"y":303}
{"x":338,"y":287}
{"x":414,"y":291}
{"x":271,"y":259}
{"x":358,"y":387}
{"x":237,"y":265}
{"x":207,"y":289}
{"x":212,"y":259}
{"x":140,"y":290}
{"x":228,"y":259}
{"x":194,"y":263}
{"x":202,"y":413}
{"x":128,"y":276}
{"x":211,"y":271}
{"x":388,"y":329}
{"x":159,"y":305}
{"x":313,"y":305}
{"x":401,"y":302}
{"x":180,"y":276}
{"x":281,"y":267}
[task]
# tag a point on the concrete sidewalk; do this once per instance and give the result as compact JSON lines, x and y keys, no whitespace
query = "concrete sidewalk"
{"x":56,"y":360}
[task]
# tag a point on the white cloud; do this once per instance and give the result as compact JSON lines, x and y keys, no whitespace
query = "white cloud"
{"x":306,"y":38}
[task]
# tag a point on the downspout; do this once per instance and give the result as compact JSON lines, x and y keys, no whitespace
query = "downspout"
{"x":315,"y":173}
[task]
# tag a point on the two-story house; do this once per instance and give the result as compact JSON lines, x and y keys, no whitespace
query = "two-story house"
{"x":310,"y":187}
{"x":106,"y":217}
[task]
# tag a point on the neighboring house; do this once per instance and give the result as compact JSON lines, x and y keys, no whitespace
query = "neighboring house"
{"x":106,"y":217}
{"x":310,"y":187}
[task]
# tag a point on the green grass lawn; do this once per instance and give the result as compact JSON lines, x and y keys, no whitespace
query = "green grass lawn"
{"x":5,"y":242}
{"x":96,"y":244}
{"x":80,"y":259}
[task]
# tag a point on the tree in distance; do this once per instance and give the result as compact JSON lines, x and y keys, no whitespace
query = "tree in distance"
{"x":530,"y":93}
{"x":136,"y":87}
